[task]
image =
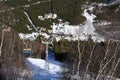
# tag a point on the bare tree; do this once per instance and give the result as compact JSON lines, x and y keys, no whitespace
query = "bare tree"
{"x":101,"y":61}
{"x":13,"y":60}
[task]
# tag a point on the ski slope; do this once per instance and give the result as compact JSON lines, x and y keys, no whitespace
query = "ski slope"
{"x":40,"y":73}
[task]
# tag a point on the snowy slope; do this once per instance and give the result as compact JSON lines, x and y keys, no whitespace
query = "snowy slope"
{"x":82,"y":31}
{"x":40,"y":73}
{"x":55,"y":71}
{"x":70,"y":32}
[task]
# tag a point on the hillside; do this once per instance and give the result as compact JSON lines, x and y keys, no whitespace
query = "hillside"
{"x":84,"y":35}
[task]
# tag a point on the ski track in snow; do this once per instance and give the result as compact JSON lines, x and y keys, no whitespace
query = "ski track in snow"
{"x":30,"y":21}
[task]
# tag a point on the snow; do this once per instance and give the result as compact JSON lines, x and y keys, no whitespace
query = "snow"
{"x":40,"y":73}
{"x":91,"y":76}
{"x":54,"y":16}
{"x":40,"y":63}
{"x":33,"y":36}
{"x":69,"y":32}
{"x":82,"y":31}
{"x":29,"y":28}
{"x":30,"y":37}
{"x":47,"y":16}
{"x":41,"y":18}
{"x":45,"y":35}
{"x":104,"y":23}
{"x":38,"y":69}
{"x":30,"y":21}
{"x":88,"y":16}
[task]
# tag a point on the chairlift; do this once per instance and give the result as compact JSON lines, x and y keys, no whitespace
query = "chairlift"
{"x":26,"y":50}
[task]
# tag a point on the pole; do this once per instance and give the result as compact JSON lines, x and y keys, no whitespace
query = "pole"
{"x":1,"y":42}
{"x":46,"y":58}
{"x":2,"y":38}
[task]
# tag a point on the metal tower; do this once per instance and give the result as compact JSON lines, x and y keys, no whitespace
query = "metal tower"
{"x":46,"y":58}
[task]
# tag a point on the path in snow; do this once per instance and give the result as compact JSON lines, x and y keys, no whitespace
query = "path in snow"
{"x":29,"y":19}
